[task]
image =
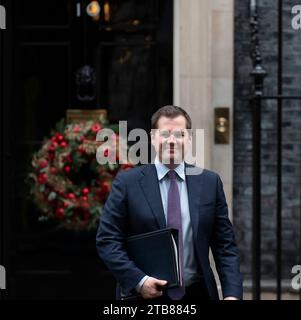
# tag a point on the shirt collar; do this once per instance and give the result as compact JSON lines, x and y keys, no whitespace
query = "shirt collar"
{"x":162,"y":169}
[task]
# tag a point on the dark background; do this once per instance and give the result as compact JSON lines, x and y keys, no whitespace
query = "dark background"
{"x":42,"y":49}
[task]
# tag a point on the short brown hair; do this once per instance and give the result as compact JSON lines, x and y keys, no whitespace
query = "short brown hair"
{"x":170,"y":112}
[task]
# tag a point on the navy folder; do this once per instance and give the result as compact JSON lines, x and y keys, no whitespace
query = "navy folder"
{"x":156,"y":254}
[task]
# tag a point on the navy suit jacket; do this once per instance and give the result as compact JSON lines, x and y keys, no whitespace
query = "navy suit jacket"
{"x":134,"y":206}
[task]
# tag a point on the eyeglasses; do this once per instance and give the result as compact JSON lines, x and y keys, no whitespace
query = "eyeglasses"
{"x":177,"y":134}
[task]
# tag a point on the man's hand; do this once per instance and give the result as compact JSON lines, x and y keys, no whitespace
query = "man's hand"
{"x":152,"y":288}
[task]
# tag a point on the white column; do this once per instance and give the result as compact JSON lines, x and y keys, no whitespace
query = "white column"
{"x":193,"y":65}
{"x":203,"y":73}
{"x":222,"y":86}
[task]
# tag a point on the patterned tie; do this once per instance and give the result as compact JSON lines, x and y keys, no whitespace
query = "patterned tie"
{"x":174,"y":220}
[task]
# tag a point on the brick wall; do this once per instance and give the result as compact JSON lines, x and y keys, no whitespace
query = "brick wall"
{"x":291,"y":126}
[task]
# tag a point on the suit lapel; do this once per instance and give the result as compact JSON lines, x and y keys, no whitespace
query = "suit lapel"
{"x":150,"y":186}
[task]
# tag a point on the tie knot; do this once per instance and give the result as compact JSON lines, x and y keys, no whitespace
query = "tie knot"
{"x":172,"y":174}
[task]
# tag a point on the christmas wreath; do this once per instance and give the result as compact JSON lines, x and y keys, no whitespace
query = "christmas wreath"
{"x":67,"y":183}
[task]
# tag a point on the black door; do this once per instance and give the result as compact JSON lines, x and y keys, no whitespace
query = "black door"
{"x":67,"y":54}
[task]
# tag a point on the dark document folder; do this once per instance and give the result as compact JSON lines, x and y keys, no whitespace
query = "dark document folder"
{"x":156,"y":254}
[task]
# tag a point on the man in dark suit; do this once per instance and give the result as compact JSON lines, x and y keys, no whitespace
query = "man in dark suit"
{"x":144,"y":199}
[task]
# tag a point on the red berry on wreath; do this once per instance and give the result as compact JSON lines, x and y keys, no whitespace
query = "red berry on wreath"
{"x":63,"y":144}
{"x":53,"y":146}
{"x":42,"y":178}
{"x":76,"y":128}
{"x":70,"y":195}
{"x":43,"y":163}
{"x":105,"y":186}
{"x":95,"y":127}
{"x":60,"y":213}
{"x":85,"y":191}
{"x":53,"y":170}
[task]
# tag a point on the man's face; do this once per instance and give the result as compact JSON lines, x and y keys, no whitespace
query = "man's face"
{"x":171,"y":140}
